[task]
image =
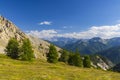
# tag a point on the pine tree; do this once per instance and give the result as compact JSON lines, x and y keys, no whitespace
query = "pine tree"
{"x":75,"y":59}
{"x":78,"y":60}
{"x":71,"y":60}
{"x":26,"y":50}
{"x":12,"y":49}
{"x":87,"y":62}
{"x":64,"y":56}
{"x":52,"y":56}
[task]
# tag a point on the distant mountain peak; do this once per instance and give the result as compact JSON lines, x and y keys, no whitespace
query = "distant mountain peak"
{"x":96,"y":38}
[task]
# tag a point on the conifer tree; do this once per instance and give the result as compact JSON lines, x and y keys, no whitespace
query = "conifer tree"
{"x":52,"y":56}
{"x":12,"y":49}
{"x":26,"y":50}
{"x":87,"y":62}
{"x":71,"y":59}
{"x":78,"y":60}
{"x":64,"y":56}
{"x":75,"y":59}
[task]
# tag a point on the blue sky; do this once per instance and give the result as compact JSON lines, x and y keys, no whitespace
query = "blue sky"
{"x":62,"y":17}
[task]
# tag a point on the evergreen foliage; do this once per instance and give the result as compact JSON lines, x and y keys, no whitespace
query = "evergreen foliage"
{"x":26,"y":50}
{"x":75,"y":59}
{"x":87,"y":62}
{"x":12,"y":49}
{"x":52,"y":56}
{"x":64,"y":56}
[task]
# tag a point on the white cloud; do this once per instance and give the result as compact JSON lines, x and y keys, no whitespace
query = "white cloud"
{"x":94,"y":31}
{"x":45,"y":34}
{"x":45,"y":23}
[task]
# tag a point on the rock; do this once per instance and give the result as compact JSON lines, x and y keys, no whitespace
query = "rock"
{"x":101,"y":62}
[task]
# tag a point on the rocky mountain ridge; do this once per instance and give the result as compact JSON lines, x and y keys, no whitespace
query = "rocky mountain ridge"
{"x":9,"y":30}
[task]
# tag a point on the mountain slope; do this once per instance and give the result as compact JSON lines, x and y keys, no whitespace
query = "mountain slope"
{"x":40,"y":47}
{"x":41,"y":70}
{"x":101,"y":62}
{"x":116,"y":68}
{"x":61,"y":41}
{"x":114,"y":41}
{"x":89,"y":46}
{"x":9,"y":30}
{"x":112,"y":54}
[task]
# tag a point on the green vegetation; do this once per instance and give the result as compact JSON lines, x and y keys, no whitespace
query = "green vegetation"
{"x":26,"y":50}
{"x":12,"y":48}
{"x":86,"y":62}
{"x":64,"y":56}
{"x":14,"y":51}
{"x":52,"y":56}
{"x":11,"y":69}
{"x":75,"y":59}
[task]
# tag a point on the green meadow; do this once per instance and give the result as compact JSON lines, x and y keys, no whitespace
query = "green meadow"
{"x":41,"y":70}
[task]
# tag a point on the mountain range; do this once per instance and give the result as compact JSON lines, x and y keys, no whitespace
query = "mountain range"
{"x":112,"y":54}
{"x":109,"y":48}
{"x":62,"y":41}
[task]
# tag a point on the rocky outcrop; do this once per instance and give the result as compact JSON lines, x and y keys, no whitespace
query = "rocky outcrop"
{"x":101,"y":62}
{"x":9,"y":30}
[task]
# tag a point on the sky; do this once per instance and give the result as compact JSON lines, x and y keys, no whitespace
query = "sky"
{"x":64,"y":18}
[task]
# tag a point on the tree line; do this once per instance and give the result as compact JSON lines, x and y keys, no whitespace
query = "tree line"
{"x":23,"y":51}
{"x":68,"y":57}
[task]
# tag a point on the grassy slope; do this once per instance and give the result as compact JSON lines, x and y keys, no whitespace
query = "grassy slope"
{"x":41,"y":70}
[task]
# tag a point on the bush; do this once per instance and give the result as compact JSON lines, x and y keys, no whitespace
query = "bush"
{"x":52,"y":56}
{"x":12,"y":49}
